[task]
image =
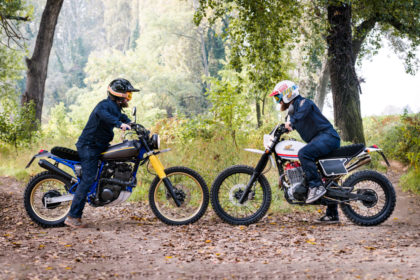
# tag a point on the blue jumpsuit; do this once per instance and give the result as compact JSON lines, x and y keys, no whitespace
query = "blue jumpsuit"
{"x":94,"y":140}
{"x":320,"y":136}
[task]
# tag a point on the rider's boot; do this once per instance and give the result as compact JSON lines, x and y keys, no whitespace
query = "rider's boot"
{"x":75,"y":222}
{"x":315,"y":193}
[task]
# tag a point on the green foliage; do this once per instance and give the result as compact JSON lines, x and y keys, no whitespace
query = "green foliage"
{"x":411,"y":180}
{"x":60,"y":125}
{"x":229,"y":105}
{"x":399,"y":136}
{"x":402,"y":140}
{"x":16,"y":124}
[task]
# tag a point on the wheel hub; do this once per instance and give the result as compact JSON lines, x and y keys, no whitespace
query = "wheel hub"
{"x":236,"y":193}
{"x":50,"y":194}
{"x":372,"y":197}
{"x":182,"y":193}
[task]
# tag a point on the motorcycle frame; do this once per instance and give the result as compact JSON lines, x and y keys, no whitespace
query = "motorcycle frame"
{"x":139,"y":160}
{"x":361,"y":159}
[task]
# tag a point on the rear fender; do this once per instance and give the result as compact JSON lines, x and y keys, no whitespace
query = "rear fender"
{"x":40,"y":154}
{"x":373,"y":149}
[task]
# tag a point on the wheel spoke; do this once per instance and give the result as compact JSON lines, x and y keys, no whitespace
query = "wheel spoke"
{"x":189,"y":193}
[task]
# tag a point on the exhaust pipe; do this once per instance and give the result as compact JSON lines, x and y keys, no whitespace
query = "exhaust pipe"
{"x":50,"y":167}
{"x":359,"y":163}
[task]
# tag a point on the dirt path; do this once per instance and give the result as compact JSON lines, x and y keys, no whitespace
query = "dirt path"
{"x":128,"y":242}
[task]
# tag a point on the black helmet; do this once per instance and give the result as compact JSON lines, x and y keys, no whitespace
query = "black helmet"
{"x":121,"y":88}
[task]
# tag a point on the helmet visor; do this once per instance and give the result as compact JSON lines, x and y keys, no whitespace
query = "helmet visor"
{"x":129,"y":95}
{"x":278,"y":97}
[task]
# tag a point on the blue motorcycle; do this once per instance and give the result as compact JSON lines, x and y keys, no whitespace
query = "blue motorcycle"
{"x":177,"y":195}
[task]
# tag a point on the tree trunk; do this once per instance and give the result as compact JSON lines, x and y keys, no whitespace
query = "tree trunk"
{"x":321,"y":90}
{"x":258,"y":110}
{"x":38,"y":64}
{"x":204,"y":53}
{"x":344,"y":83}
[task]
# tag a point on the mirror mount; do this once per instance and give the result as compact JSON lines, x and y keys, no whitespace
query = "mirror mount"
{"x":134,"y":114}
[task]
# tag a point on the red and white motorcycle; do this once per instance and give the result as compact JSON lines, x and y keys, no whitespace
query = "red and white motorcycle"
{"x":241,"y":195}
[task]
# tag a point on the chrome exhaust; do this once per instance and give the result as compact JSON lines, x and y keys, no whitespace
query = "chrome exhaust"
{"x":359,"y":163}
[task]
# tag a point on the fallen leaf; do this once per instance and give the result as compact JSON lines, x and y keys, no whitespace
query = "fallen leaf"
{"x":311,"y":241}
{"x":370,"y":248}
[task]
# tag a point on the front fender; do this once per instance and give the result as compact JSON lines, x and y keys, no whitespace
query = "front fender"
{"x":261,"y":152}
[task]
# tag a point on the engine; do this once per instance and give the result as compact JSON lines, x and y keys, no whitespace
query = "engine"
{"x":115,"y":177}
{"x":296,"y":188}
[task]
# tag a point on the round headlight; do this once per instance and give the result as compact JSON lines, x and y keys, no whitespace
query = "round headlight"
{"x":155,"y":140}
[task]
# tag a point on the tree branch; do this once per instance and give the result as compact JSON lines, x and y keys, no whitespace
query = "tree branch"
{"x":16,"y":18}
{"x":360,"y":34}
{"x":407,"y":29}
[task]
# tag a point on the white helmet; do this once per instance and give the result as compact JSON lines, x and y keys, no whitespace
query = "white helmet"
{"x":285,"y":89}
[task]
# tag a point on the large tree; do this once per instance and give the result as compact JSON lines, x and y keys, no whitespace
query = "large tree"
{"x":38,"y":63}
{"x":346,"y":24}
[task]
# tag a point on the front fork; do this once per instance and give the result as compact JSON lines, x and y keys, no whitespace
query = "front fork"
{"x":160,"y":170}
{"x":254,"y":177}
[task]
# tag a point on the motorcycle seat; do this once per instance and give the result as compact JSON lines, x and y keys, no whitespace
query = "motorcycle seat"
{"x":65,"y":153}
{"x":345,"y":151}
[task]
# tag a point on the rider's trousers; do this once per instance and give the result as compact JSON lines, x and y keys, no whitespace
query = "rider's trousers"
{"x":322,"y":144}
{"x":89,"y":156}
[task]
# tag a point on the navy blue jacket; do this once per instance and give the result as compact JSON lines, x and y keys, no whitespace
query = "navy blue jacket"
{"x":308,"y":120}
{"x":99,"y":128}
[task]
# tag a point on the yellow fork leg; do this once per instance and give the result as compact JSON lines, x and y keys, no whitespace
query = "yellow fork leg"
{"x":157,"y":166}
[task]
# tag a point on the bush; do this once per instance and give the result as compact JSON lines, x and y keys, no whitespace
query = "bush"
{"x":17,"y":126}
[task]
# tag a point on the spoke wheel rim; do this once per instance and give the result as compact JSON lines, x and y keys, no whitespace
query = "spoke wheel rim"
{"x":369,"y":210}
{"x":37,"y":205}
{"x":236,"y":210}
{"x":165,"y":204}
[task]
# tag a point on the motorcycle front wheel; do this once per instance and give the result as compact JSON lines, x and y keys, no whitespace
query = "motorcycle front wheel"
{"x":381,"y":196}
{"x":228,"y":188}
{"x":46,"y":185}
{"x":191,"y":190}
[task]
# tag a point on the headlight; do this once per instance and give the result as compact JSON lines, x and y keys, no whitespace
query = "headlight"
{"x":155,"y":142}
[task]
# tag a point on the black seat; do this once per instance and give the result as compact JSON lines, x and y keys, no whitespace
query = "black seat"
{"x":346,"y":151}
{"x":65,"y":153}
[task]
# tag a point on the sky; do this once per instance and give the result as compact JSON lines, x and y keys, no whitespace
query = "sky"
{"x":386,"y":84}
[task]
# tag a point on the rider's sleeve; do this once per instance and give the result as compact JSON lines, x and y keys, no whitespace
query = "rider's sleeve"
{"x":124,"y":118}
{"x":305,"y":107}
{"x":104,"y":115}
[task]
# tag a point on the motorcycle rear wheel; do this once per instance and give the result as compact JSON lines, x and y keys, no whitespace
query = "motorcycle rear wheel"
{"x":191,"y":191}
{"x":227,"y":189}
{"x":377,"y":186}
{"x":46,"y":184}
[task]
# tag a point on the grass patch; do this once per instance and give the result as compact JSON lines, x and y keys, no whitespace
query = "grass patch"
{"x":411,"y":181}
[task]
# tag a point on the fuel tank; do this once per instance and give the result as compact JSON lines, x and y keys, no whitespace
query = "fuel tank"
{"x":288,"y":149}
{"x":122,"y":151}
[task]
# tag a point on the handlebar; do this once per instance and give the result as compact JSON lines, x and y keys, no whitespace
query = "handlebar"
{"x":139,"y":129}
{"x":281,"y":129}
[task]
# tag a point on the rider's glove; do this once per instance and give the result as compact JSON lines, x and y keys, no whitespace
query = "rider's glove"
{"x":125,"y":127}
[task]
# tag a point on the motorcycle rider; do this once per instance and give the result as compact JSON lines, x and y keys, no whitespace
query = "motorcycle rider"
{"x":95,"y":139}
{"x":316,"y":131}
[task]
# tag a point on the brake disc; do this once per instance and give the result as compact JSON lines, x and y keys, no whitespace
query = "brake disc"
{"x":235,"y":194}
